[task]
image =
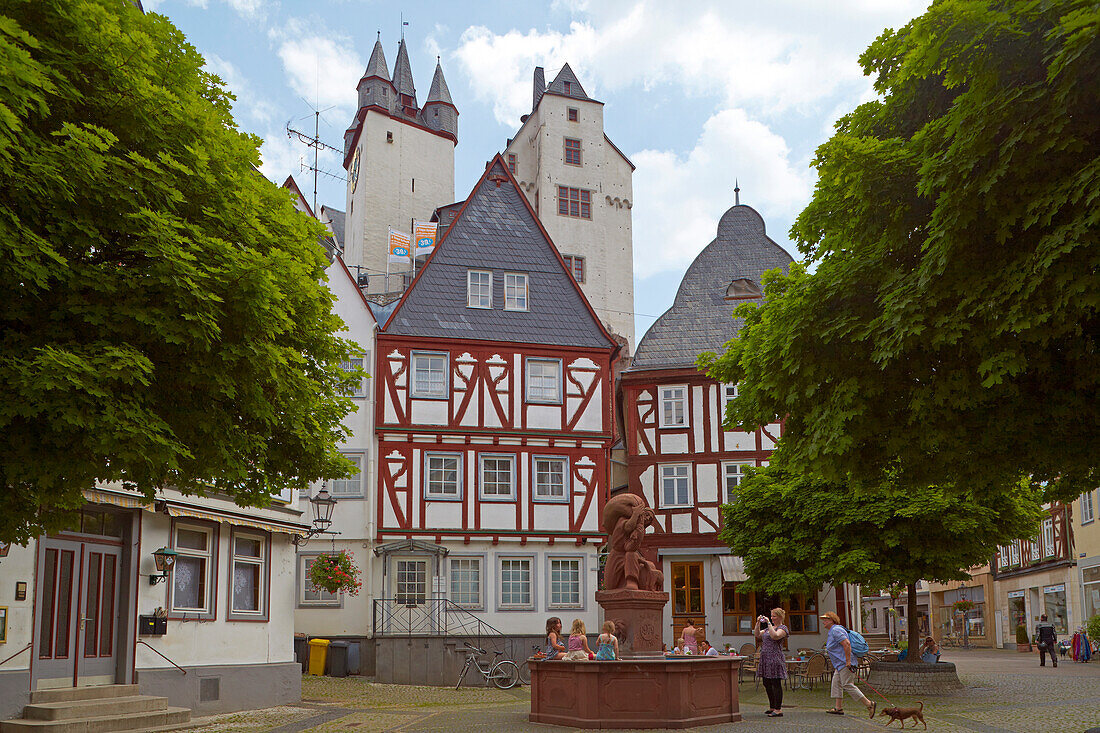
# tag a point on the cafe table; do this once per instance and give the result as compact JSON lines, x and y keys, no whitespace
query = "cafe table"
{"x":795,"y":667}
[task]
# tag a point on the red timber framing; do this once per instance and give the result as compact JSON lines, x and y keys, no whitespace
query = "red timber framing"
{"x":700,"y":444}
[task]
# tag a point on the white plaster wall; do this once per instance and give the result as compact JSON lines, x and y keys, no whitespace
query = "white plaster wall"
{"x":17,"y":567}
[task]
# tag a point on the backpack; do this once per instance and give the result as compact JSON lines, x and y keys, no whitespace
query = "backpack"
{"x":859,"y":644}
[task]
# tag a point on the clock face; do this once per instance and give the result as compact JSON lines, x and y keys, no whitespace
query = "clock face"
{"x":354,"y":171}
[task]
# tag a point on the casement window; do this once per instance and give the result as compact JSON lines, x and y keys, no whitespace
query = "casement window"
{"x":193,"y":575}
{"x":1088,"y":511}
{"x":544,"y":380}
{"x":574,"y":114}
{"x":675,"y":485}
{"x":351,"y":365}
{"x":515,"y":292}
{"x":568,"y":87}
{"x":575,"y":265}
{"x":572,"y":151}
{"x":575,"y":202}
{"x":1014,"y":553}
{"x":673,"y":407}
{"x":309,"y":594}
{"x":1035,"y":549}
{"x":729,"y":393}
{"x":512,"y":163}
{"x":515,"y":583}
{"x":551,"y":475}
{"x":565,"y":582}
{"x":497,"y":476}
{"x":466,"y":582}
{"x":479,"y":289}
{"x":1048,"y":537}
{"x":444,"y":476}
{"x":429,"y":375}
{"x":410,"y":582}
{"x":733,"y":473}
{"x":349,"y":486}
{"x":248,"y":576}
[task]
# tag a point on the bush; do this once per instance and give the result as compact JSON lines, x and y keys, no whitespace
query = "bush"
{"x":1092,"y":628}
{"x":1021,"y":634}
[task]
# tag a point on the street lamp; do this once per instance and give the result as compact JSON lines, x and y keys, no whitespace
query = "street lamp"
{"x":165,"y":560}
{"x":323,"y":504}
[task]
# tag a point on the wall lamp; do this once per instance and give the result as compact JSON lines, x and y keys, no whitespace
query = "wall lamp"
{"x":165,"y":560}
{"x":323,"y":504}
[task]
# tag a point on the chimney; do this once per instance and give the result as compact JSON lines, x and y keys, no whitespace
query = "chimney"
{"x":539,"y":87}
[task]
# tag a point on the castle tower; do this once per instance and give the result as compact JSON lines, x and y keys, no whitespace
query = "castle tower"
{"x":400,"y":163}
{"x":580,"y":185}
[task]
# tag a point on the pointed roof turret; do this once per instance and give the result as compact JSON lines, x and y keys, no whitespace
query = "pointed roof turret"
{"x":566,"y":84}
{"x":402,"y":73}
{"x":377,"y":64}
{"x":439,"y":91}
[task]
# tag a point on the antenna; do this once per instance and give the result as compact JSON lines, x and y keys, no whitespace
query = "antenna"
{"x":314,"y":141}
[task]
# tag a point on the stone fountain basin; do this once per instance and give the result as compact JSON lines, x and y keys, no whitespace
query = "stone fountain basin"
{"x":680,"y":692}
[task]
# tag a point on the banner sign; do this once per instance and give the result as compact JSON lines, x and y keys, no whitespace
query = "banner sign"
{"x":424,"y":233}
{"x":1015,"y":594}
{"x":1060,"y":588}
{"x":399,"y":246}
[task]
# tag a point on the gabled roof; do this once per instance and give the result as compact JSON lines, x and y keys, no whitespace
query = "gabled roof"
{"x":497,"y":230}
{"x":439,"y":91}
{"x":377,"y":64}
{"x":402,"y":72}
{"x":575,"y":89}
{"x":335,"y":218}
{"x":299,"y":199}
{"x":700,"y":318}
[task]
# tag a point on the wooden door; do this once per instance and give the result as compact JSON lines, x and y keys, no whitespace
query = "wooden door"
{"x":688,"y":596}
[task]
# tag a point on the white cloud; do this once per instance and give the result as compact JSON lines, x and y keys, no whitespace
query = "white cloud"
{"x":679,"y":199}
{"x":322,"y":67}
{"x":248,"y":107}
{"x":245,"y":8}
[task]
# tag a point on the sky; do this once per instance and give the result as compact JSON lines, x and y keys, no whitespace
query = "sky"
{"x":698,"y":93}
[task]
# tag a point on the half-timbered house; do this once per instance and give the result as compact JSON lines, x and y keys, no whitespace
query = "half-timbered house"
{"x":686,"y":463}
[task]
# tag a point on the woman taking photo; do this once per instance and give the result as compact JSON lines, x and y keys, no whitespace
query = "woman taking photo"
{"x":772,"y":666}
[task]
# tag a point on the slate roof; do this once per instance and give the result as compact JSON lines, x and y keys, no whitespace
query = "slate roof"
{"x":497,"y":230}
{"x":377,"y":64}
{"x":439,"y":91}
{"x":575,"y":89}
{"x":700,"y":317}
{"x":336,"y":218}
{"x":402,"y":72}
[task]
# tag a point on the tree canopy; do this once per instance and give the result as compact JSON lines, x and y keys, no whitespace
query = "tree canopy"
{"x":949,"y":327}
{"x":163,"y":319}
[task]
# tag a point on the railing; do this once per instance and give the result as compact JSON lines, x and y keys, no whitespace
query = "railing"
{"x":181,"y":669}
{"x":13,"y":656}
{"x":440,"y":617}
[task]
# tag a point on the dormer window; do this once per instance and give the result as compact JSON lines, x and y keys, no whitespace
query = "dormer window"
{"x":568,"y":87}
{"x":479,"y":289}
{"x":743,"y":289}
{"x":515,"y":292}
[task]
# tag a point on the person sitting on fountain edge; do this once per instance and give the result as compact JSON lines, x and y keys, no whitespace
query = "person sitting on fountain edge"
{"x":578,"y":644}
{"x":554,"y":648}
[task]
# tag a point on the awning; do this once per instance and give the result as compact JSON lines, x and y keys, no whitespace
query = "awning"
{"x":733,"y":569}
{"x":239,"y":520}
{"x":128,"y":501}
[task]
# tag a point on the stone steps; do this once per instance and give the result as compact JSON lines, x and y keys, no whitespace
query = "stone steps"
{"x":101,"y":709}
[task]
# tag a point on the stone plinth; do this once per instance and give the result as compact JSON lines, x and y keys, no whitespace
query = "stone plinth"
{"x":637,"y":615}
{"x":659,"y":693}
{"x":904,"y":678}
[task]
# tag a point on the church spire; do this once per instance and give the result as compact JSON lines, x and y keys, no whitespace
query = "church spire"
{"x":377,"y":65}
{"x":403,"y":79}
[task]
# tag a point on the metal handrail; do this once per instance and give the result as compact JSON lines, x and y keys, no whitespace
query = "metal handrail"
{"x":181,"y":669}
{"x":436,"y":617}
{"x":13,"y":656}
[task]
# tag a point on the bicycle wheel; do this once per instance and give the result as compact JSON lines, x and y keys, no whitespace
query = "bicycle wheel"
{"x":505,"y":674}
{"x":524,"y":673}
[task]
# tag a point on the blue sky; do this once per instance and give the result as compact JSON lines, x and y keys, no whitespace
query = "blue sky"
{"x":698,"y":93}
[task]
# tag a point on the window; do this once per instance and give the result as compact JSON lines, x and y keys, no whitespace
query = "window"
{"x":248,"y":582}
{"x":565,"y":583}
{"x":574,"y":114}
{"x":675,"y":485}
{"x":1048,"y":537}
{"x":574,"y":202}
{"x":572,"y":151}
{"x":444,"y":476}
{"x":479,"y":289}
{"x":515,"y":292}
{"x":411,"y":581}
{"x":466,"y":582}
{"x":544,"y":380}
{"x":1036,"y":550}
{"x":512,"y":163}
{"x":673,"y":407}
{"x":737,"y":607}
{"x":351,"y":485}
{"x":1014,"y":553}
{"x":1088,"y":512}
{"x":193,"y":573}
{"x":874,"y":618}
{"x":568,"y":87}
{"x":515,"y":583}
{"x":802,"y":613}
{"x":309,"y":594}
{"x":497,"y":477}
{"x":734,"y":472}
{"x":429,"y":375}
{"x":729,"y":393}
{"x":550,"y":476}
{"x":575,"y":265}
{"x":351,"y":365}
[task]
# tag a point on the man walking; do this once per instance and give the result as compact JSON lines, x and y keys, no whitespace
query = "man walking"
{"x":844,"y":664}
{"x":1048,"y":641}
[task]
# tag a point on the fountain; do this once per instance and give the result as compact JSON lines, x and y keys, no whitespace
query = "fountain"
{"x":643,"y":689}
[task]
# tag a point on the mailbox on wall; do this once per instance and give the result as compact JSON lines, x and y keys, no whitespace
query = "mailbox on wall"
{"x":152,"y":625}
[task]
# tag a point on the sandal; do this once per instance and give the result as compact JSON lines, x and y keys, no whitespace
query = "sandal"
{"x":834,"y":711}
{"x":874,"y":707}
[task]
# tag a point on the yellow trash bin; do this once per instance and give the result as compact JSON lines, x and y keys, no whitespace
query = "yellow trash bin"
{"x":318,"y":651}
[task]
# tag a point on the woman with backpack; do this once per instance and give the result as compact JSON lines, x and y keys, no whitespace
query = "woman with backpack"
{"x":845,"y":663}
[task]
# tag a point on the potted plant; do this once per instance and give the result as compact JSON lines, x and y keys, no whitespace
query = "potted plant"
{"x":1022,"y":642}
{"x":336,"y":573}
{"x":963,"y":606}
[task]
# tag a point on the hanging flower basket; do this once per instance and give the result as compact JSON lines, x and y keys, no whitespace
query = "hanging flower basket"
{"x":336,"y":573}
{"x":963,"y":606}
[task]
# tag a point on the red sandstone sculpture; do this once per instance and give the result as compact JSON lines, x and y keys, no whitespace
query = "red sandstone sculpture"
{"x":625,"y":518}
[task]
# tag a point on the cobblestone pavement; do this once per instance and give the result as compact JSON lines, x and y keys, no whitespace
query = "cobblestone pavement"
{"x":1004,"y":691}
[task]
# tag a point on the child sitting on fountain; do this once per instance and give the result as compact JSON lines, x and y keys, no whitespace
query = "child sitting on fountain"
{"x":608,"y":649}
{"x":554,"y":648}
{"x":578,"y":644}
{"x":678,"y":650}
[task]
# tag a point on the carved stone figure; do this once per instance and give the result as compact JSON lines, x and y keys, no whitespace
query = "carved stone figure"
{"x":625,"y":518}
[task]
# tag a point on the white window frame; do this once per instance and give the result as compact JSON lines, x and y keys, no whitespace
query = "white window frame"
{"x":1048,"y":537}
{"x":418,"y":596}
{"x":481,"y":461}
{"x":1036,"y":549}
{"x":479,"y":561}
{"x":323,"y":599}
{"x":1087,"y":514}
{"x":675,"y":472}
{"x":537,"y":493}
{"x":430,"y":392}
{"x":479,"y":294}
{"x":260,"y":563}
{"x":1014,"y":553}
{"x":356,"y":362}
{"x":668,"y":398}
{"x":210,"y":558}
{"x":729,"y":393}
{"x":531,"y":583}
{"x":551,"y":603}
{"x":739,"y":473}
{"x":512,"y":296}
{"x":528,"y":375}
{"x":352,"y":486}
{"x":436,"y":495}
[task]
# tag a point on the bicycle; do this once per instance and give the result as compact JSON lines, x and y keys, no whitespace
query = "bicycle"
{"x":504,"y":673}
{"x":525,"y":668}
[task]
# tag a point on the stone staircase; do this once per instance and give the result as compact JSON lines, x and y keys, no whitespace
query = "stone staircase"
{"x":97,"y":710}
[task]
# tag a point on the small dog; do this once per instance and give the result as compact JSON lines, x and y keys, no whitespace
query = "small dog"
{"x":902,"y":714}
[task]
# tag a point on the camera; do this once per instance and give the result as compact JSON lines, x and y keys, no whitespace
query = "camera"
{"x":763,"y":625}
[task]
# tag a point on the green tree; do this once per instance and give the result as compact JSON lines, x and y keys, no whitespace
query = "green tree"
{"x":162,"y":316}
{"x":950,"y":325}
{"x":796,"y":531}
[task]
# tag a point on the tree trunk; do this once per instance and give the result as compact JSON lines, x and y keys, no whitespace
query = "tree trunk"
{"x":913,"y":655}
